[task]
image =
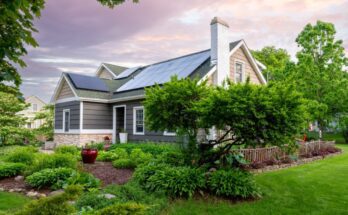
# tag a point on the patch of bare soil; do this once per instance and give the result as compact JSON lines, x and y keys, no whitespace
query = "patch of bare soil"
{"x":10,"y":184}
{"x":108,"y":174}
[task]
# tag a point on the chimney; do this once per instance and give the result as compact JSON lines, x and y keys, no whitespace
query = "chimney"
{"x":220,"y":48}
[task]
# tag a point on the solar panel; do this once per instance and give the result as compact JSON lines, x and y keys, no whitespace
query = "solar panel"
{"x":162,"y":72}
{"x":88,"y":83}
{"x":127,"y":72}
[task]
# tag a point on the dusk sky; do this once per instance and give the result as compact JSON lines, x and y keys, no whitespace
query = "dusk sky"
{"x":78,"y":35}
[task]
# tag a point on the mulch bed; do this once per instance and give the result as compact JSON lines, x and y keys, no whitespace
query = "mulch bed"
{"x":10,"y":184}
{"x":109,"y":174}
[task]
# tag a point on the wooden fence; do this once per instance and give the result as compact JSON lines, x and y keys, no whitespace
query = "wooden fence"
{"x":274,"y":152}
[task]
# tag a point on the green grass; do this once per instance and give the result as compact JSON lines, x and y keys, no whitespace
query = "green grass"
{"x":338,"y":137}
{"x":320,"y":187}
{"x":10,"y":202}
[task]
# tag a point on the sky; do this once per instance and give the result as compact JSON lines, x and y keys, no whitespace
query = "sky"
{"x":78,"y":35}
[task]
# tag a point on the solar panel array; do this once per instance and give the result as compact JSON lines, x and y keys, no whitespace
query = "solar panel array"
{"x":127,"y":72}
{"x":162,"y":72}
{"x":88,"y":83}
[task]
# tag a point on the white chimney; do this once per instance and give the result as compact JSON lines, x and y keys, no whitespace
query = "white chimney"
{"x":220,"y":48}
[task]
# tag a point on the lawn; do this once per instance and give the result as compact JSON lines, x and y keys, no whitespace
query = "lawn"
{"x":11,"y":202}
{"x":320,"y":187}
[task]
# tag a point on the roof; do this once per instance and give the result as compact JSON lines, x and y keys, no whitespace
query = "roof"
{"x":115,"y":68}
{"x":132,"y":81}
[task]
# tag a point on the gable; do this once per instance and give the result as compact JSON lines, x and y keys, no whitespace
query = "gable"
{"x":105,"y":74}
{"x":65,"y":91}
{"x":240,"y":56}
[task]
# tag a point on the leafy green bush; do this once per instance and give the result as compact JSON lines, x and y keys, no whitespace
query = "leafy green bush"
{"x":175,"y":181}
{"x":124,"y":164}
{"x":175,"y":158}
{"x":72,"y":150}
{"x":232,"y":183}
{"x":55,"y":205}
{"x":93,"y":200}
{"x":83,"y":179}
{"x":50,"y":177}
{"x":21,"y":155}
{"x":107,"y":156}
{"x":10,"y":169}
{"x":99,"y":146}
{"x":45,"y":161}
{"x":123,"y":208}
{"x":152,"y":148}
{"x":138,"y":156}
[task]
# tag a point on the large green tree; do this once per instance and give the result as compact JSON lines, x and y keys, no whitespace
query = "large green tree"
{"x":16,"y":29}
{"x":320,"y":71}
{"x":276,"y":62}
{"x":47,"y":115}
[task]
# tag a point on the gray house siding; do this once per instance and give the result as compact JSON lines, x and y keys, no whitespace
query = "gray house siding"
{"x":149,"y":135}
{"x":74,"y":108}
{"x":97,"y":115}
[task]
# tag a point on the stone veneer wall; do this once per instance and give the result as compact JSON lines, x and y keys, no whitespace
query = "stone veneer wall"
{"x":78,"y":139}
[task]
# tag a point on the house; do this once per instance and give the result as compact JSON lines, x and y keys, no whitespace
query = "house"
{"x":90,"y":108}
{"x":35,"y":105}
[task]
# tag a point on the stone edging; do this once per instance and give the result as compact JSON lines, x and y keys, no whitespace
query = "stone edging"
{"x":288,"y":165}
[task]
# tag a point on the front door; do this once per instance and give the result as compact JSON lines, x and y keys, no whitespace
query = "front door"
{"x":119,"y":122}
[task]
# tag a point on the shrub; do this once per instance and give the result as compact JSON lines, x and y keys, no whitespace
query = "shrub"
{"x":99,"y":146}
{"x":57,"y":205}
{"x":45,"y":161}
{"x":152,"y":148}
{"x":21,"y":155}
{"x":93,"y":200}
{"x":83,"y":179}
{"x":123,"y":208}
{"x":124,"y":164}
{"x":50,"y":177}
{"x":107,"y":156}
{"x":232,"y":183}
{"x":175,"y":158}
{"x":72,"y":150}
{"x":139,"y":156}
{"x":10,"y":169}
{"x":175,"y":181}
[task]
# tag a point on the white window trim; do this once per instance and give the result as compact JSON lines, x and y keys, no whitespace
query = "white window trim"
{"x":64,"y":111}
{"x":166,"y":133}
{"x":134,"y":120}
{"x":235,"y":70}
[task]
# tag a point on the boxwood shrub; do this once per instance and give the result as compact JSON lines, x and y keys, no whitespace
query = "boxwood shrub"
{"x":233,"y":183}
{"x":11,"y":169}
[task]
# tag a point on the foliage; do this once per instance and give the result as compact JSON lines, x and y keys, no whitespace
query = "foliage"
{"x":172,"y":106}
{"x":174,"y":158}
{"x":93,"y":145}
{"x":139,"y":157}
{"x":21,"y":155}
{"x":123,"y":208}
{"x":107,"y":156}
{"x":113,"y":3}
{"x":233,"y":183}
{"x":45,"y":161}
{"x":47,"y":115}
{"x":343,"y":124}
{"x":57,"y":205}
{"x":85,"y":180}
{"x":144,"y":172}
{"x":252,"y":115}
{"x":16,"y":30}
{"x":93,"y":200}
{"x":175,"y":181}
{"x":10,"y":169}
{"x":50,"y":177}
{"x":11,"y":131}
{"x":275,"y":60}
{"x":148,"y":147}
{"x":124,"y":163}
{"x":72,"y":150}
{"x":320,"y":74}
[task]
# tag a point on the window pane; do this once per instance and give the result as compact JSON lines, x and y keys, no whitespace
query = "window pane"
{"x":139,"y":120}
{"x":67,"y":121}
{"x":239,"y":72}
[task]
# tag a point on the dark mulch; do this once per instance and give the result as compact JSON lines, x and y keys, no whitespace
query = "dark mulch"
{"x":11,"y":183}
{"x":108,"y":174}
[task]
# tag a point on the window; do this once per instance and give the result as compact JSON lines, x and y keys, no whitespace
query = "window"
{"x":34,"y":107}
{"x":138,"y":120}
{"x":239,"y":72}
{"x":66,"y":120}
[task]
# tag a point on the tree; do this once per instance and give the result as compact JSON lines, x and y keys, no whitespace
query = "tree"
{"x":16,"y":28}
{"x":173,"y":107}
{"x":113,"y":3}
{"x":46,"y":114}
{"x":253,"y":115}
{"x":320,"y":74}
{"x":275,"y":60}
{"x":11,"y":129}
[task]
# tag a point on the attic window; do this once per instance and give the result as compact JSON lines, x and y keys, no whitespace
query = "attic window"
{"x":239,"y":72}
